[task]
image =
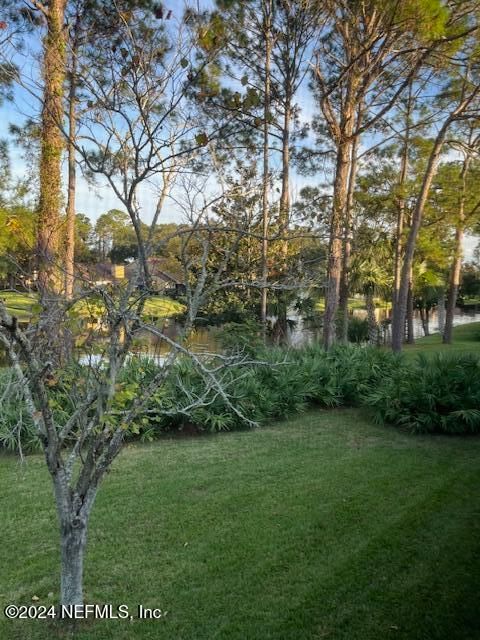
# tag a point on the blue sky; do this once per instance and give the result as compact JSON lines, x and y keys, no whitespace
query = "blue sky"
{"x":95,"y":201}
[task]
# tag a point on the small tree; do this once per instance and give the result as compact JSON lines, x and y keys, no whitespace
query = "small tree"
{"x":137,"y":133}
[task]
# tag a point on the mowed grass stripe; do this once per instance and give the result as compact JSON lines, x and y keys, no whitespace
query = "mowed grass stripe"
{"x":322,"y":526}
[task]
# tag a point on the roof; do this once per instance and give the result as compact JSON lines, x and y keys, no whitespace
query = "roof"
{"x":96,"y":271}
{"x":159,"y":268}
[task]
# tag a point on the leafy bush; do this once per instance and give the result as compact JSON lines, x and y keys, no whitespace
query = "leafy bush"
{"x":281,"y":383}
{"x":439,"y":394}
{"x":17,"y":432}
{"x":235,"y":337}
{"x":277,"y":384}
{"x":357,"y":330}
{"x":431,"y":395}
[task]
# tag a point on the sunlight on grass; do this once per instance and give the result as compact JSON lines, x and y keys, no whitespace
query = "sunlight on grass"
{"x":325,"y":526}
{"x":466,"y":338}
{"x":155,"y":307}
{"x":357,"y":303}
{"x":24,"y":306}
{"x":21,"y":305}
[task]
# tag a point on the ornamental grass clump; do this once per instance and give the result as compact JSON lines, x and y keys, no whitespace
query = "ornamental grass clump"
{"x":440,"y":394}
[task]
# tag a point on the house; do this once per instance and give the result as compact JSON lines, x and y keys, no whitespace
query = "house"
{"x":169,"y":282}
{"x":166,"y":277}
{"x":100,"y":273}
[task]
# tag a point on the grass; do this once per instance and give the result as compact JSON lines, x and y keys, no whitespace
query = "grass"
{"x":356,"y":303}
{"x":466,"y":339}
{"x":162,"y":307}
{"x":325,"y":526}
{"x":23,"y":306}
{"x":155,"y":306}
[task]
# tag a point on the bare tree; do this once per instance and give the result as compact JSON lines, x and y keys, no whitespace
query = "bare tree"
{"x":138,"y":134}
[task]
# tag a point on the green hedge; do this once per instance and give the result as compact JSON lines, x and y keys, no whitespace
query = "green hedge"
{"x":440,"y":394}
{"x":427,"y":395}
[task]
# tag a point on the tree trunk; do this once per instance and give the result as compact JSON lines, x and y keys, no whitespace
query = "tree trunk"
{"x":399,"y":230}
{"x":347,"y":246}
{"x":372,"y":320}
{"x":70,"y":234}
{"x":410,"y":313}
{"x":73,"y":512}
{"x":340,"y":190}
{"x":72,"y":544}
{"x":52,"y":144}
{"x":422,"y":318}
{"x":455,"y":276}
{"x":283,"y":219}
{"x":401,"y":203}
{"x":267,"y":25}
{"x":400,"y":310}
{"x":456,"y":268}
{"x":345,"y":143}
{"x":441,"y":312}
{"x":401,"y":307}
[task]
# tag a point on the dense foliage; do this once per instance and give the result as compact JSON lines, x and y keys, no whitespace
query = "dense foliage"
{"x":439,"y":394}
{"x":426,"y":395}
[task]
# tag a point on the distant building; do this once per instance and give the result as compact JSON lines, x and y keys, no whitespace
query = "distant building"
{"x":163,"y":280}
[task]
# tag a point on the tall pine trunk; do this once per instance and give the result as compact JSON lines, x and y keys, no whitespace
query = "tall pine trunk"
{"x":441,"y":312}
{"x":70,"y":231}
{"x":347,"y":246}
{"x":345,"y":143}
{"x":454,"y":284}
{"x":456,"y":267}
{"x":267,"y":26}
{"x":398,"y":321}
{"x":283,"y":219}
{"x":401,"y":202}
{"x":51,"y":148}
{"x":410,"y":312}
{"x":334,"y":267}
{"x":401,"y":307}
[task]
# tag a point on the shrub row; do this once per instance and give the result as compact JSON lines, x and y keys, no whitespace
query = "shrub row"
{"x":428,"y":395}
{"x":439,"y":394}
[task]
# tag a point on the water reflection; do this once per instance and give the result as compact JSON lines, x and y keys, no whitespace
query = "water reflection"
{"x":206,"y":339}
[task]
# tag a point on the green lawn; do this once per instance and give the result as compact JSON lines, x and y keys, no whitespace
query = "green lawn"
{"x":325,"y":526}
{"x":155,"y":307}
{"x":20,"y":305}
{"x":23,"y":305}
{"x":356,"y":303}
{"x":466,"y":338}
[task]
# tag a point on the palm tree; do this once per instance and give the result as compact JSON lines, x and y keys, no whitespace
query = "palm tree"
{"x":370,"y":277}
{"x":428,"y":285}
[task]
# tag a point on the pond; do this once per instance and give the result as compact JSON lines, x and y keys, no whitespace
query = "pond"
{"x":205,"y":339}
